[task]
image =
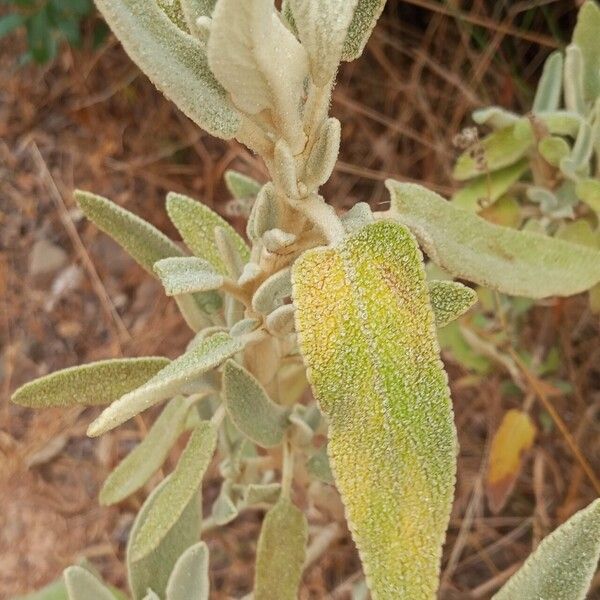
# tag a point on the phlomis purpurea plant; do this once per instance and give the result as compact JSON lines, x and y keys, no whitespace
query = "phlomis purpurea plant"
{"x":340,"y":301}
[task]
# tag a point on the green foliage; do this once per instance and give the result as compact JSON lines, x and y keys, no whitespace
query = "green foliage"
{"x":82,"y":585}
{"x":189,"y":579}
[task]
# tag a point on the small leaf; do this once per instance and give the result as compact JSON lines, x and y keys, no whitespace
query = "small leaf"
{"x":357,"y":217}
{"x":573,"y":80}
{"x":562,"y":566}
{"x":585,"y":36}
{"x":322,"y":28}
{"x":547,"y":96}
{"x":82,"y":585}
{"x":168,"y":382}
{"x":449,"y":300}
{"x":10,"y":22}
{"x":196,"y":223}
{"x":147,"y":457}
{"x":482,"y":191}
{"x":323,"y":155}
{"x":281,"y":320}
{"x":281,"y":552}
{"x":272,"y":291}
{"x":178,"y":492}
{"x":496,"y":151}
{"x":153,"y":571}
{"x":511,"y":441}
{"x":187,"y":274}
{"x":553,"y":149}
{"x":363,"y":22}
{"x":189,"y":580}
{"x":250,"y":408}
{"x":174,"y":61}
{"x":240,"y":185}
{"x":367,"y":334}
{"x":267,"y":493}
{"x":264,"y":215}
{"x":495,"y":117}
{"x":580,"y":156}
{"x":588,"y":190}
{"x":224,"y":509}
{"x":93,"y":384}
{"x":519,"y":263}
{"x":56,"y":590}
{"x":318,"y":466}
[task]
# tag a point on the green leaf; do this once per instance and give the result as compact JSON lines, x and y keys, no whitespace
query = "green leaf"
{"x":363,"y":22}
{"x":174,"y":61}
{"x":240,"y":185}
{"x":10,"y":22}
{"x":573,"y":80}
{"x":82,"y":585}
{"x":196,"y":223}
{"x":322,"y":28}
{"x":281,"y":552}
{"x":495,"y":117}
{"x":93,"y":384}
{"x":553,"y":149}
{"x":189,"y":580}
{"x":250,"y":408}
{"x":496,"y":151}
{"x":518,"y":263}
{"x":187,"y":274}
{"x":178,"y":492}
{"x":562,"y":566}
{"x":588,"y":190}
{"x":367,"y":334}
{"x":146,"y":458}
{"x":585,"y":36}
{"x":486,"y":189}
{"x":449,"y":300}
{"x":547,"y":96}
{"x":453,"y":341}
{"x":168,"y":382}
{"x":153,"y":571}
{"x":40,"y":37}
{"x":53,"y":591}
{"x":318,"y":466}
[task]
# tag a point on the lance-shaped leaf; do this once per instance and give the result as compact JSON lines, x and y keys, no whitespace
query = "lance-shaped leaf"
{"x":187,"y":274}
{"x":250,"y":408}
{"x":585,"y":36}
{"x":519,"y":263}
{"x":272,"y":291}
{"x":147,"y":457}
{"x":93,"y":384}
{"x":168,"y":382}
{"x":260,"y":63}
{"x":264,"y":214}
{"x":367,"y":334}
{"x":363,"y":22}
{"x":547,"y":95}
{"x":495,"y":116}
{"x":322,"y":28}
{"x":189,"y":580}
{"x":174,"y":61}
{"x":281,"y":552}
{"x":496,"y":151}
{"x":323,"y":155}
{"x":573,"y":80}
{"x":178,"y":492}
{"x":82,"y":585}
{"x":153,"y":570}
{"x":449,"y":300}
{"x":196,"y":223}
{"x":240,"y":185}
{"x":562,"y":566}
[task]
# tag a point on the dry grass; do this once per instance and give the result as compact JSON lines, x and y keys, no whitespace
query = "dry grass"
{"x":92,"y":121}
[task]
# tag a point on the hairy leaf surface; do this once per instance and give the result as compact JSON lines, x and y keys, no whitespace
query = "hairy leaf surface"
{"x":586,"y":37}
{"x":240,"y":185}
{"x":174,"y":61}
{"x":562,"y":566}
{"x":367,"y":334}
{"x":82,"y":585}
{"x":449,"y":300}
{"x":187,"y":274}
{"x":189,"y":580}
{"x":363,"y":22}
{"x":520,"y":263}
{"x":94,"y":384}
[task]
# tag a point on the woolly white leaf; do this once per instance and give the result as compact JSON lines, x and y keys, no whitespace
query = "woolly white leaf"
{"x":495,"y":116}
{"x":272,"y":291}
{"x":230,"y":253}
{"x":189,"y":580}
{"x":82,"y":585}
{"x":586,"y":38}
{"x":323,"y":155}
{"x":573,"y":80}
{"x":364,"y":20}
{"x":264,"y":215}
{"x":281,"y":320}
{"x":186,"y":275}
{"x":357,"y":217}
{"x":547,"y":96}
{"x":449,"y":300}
{"x":276,"y":240}
{"x":240,"y":185}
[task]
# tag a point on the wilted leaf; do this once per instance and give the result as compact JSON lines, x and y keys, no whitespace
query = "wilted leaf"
{"x":250,"y":408}
{"x":562,"y":566}
{"x":281,"y":552}
{"x":196,"y":223}
{"x":93,"y":384}
{"x":367,"y":334}
{"x":585,"y":36}
{"x":512,"y":439}
{"x":240,"y":185}
{"x":153,"y":571}
{"x":322,"y":28}
{"x":177,"y":493}
{"x":187,"y":274}
{"x":189,"y":580}
{"x":496,"y":151}
{"x":363,"y":22}
{"x":169,"y":382}
{"x":82,"y":585}
{"x":519,"y":263}
{"x":449,"y":300}
{"x":147,"y":457}
{"x":174,"y":61}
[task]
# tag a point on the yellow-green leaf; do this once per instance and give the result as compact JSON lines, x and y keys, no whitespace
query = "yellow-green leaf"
{"x":519,"y":263}
{"x":367,"y":334}
{"x":82,"y":585}
{"x":449,"y":300}
{"x":189,"y":580}
{"x":562,"y":566}
{"x":281,"y":552}
{"x":363,"y":22}
{"x":240,"y":185}
{"x":93,"y":384}
{"x":586,"y":37}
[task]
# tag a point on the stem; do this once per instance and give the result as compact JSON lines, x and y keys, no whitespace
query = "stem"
{"x":287,"y":469}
